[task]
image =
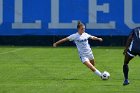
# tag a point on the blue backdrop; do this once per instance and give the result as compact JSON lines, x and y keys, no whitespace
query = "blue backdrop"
{"x":58,"y":17}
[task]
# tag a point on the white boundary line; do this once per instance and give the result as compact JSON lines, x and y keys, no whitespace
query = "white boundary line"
{"x":11,"y":51}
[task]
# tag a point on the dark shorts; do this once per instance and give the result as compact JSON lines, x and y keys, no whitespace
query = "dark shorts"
{"x":133,"y":53}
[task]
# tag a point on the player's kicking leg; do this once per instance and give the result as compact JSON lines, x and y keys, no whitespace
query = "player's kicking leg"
{"x":89,"y":65}
{"x":92,"y":62}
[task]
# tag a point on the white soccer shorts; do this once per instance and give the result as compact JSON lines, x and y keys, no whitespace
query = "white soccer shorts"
{"x":86,"y":58}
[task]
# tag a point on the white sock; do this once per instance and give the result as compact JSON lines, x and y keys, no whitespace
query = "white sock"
{"x":97,"y":72}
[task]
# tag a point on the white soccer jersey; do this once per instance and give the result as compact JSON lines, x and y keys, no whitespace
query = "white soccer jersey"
{"x":81,"y":42}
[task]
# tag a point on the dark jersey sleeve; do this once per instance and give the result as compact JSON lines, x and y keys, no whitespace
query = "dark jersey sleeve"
{"x":136,"y":39}
{"x":136,"y":33}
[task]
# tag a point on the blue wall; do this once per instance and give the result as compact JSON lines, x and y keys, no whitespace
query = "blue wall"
{"x":17,"y":20}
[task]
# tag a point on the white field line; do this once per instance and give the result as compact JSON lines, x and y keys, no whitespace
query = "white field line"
{"x":11,"y":51}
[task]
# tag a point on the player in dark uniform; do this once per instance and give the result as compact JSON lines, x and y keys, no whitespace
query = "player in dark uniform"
{"x":131,"y":50}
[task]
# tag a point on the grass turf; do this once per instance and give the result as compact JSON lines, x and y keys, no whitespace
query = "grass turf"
{"x":59,"y":70}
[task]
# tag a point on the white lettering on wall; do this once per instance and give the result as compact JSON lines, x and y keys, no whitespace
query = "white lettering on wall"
{"x":128,"y":14}
{"x":1,"y":12}
{"x":18,"y":20}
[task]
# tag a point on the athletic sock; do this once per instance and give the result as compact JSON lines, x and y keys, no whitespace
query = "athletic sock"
{"x":125,"y":71}
{"x":97,"y":72}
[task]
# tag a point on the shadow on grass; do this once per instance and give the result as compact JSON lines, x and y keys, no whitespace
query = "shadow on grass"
{"x":65,"y":79}
{"x":70,"y":79}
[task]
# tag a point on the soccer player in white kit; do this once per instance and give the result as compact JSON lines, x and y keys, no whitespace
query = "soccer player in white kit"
{"x":81,"y":40}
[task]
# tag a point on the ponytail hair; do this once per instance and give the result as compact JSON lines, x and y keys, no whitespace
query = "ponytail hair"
{"x":79,"y":24}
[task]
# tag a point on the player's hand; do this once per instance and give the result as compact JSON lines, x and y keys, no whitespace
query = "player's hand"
{"x":54,"y":45}
{"x":100,"y":39}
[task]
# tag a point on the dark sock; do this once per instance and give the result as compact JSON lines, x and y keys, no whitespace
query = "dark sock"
{"x":125,"y":71}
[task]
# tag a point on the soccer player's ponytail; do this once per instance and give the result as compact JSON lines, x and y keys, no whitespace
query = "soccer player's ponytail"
{"x":79,"y":24}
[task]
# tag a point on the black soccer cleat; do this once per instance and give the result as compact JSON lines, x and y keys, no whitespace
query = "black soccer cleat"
{"x":126,"y":82}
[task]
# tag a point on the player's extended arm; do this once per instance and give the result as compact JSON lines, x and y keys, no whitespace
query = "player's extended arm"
{"x":96,"y":38}
{"x":128,"y":43}
{"x":60,"y":41}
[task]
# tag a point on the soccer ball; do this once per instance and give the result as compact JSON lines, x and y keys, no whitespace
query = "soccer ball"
{"x":105,"y":75}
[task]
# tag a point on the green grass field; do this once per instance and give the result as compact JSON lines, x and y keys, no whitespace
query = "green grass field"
{"x":59,"y":70}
